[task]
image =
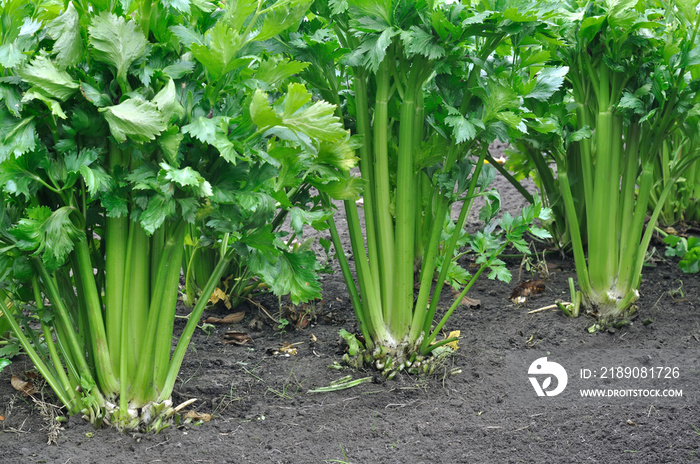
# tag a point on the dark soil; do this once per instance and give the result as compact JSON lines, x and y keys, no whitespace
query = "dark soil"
{"x":262,"y":410}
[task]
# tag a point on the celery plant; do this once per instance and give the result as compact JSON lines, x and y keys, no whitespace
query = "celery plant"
{"x":533,"y":156}
{"x":110,"y":120}
{"x":428,"y":91}
{"x":682,"y":205}
{"x":287,"y":188}
{"x":630,"y":68}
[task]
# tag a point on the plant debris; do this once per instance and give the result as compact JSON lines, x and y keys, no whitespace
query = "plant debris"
{"x":232,"y":318}
{"x":21,"y":385}
{"x":526,"y":289}
{"x":219,"y":295}
{"x":237,"y":338}
{"x":195,"y":416}
{"x":300,"y":315}
{"x":341,"y":384}
{"x":287,"y":349}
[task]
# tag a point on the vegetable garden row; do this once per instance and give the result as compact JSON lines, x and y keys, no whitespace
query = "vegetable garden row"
{"x":142,"y":140}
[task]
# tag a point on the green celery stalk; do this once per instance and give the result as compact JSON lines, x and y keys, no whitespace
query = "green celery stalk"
{"x":116,"y":240}
{"x":98,"y":337}
{"x":186,"y":336}
{"x":67,"y":397}
{"x":166,"y":310}
{"x":82,"y":369}
{"x":160,"y":318}
{"x":136,"y":298}
{"x":382,"y":196}
{"x":399,"y":316}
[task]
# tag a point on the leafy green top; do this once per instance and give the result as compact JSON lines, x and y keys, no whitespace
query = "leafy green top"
{"x":162,"y":112}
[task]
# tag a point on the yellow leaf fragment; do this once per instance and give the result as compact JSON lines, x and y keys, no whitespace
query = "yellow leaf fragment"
{"x":198,"y":416}
{"x":219,"y":295}
{"x":289,"y":348}
{"x":453,"y":345}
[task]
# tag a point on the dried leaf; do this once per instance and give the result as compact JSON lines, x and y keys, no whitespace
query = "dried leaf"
{"x":219,"y":295}
{"x":198,"y":416}
{"x":24,"y":386}
{"x":288,"y":348}
{"x":301,"y":315}
{"x":2,"y":418}
{"x":228,"y":319}
{"x":302,"y":322}
{"x":471,"y":302}
{"x":237,"y":338}
{"x":454,"y":344}
{"x":526,"y":289}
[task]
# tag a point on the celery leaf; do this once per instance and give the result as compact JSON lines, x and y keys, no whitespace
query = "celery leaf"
{"x":44,"y":74}
{"x":65,"y":29}
{"x":116,"y":42}
{"x":137,"y":119}
{"x":294,"y":274}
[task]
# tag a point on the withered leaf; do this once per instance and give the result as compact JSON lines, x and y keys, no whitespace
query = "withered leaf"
{"x":526,"y":289}
{"x":301,"y":315}
{"x":288,"y":348}
{"x":302,"y":322}
{"x":237,"y":338}
{"x":24,"y":386}
{"x":454,"y":345}
{"x":471,"y":302}
{"x":228,"y":319}
{"x":219,"y":295}
{"x":198,"y":416}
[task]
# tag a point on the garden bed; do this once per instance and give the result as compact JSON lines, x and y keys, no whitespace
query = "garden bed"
{"x":262,"y":410}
